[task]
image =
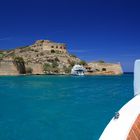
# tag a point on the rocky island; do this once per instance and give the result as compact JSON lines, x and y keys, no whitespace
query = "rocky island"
{"x":48,"y":57}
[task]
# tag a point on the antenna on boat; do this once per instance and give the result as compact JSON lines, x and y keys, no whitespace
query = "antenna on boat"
{"x":137,"y":77}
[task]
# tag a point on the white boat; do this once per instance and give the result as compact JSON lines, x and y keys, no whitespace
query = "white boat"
{"x":125,"y":125}
{"x":78,"y":70}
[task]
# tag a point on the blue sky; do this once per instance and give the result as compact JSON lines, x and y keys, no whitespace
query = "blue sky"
{"x":93,"y":29}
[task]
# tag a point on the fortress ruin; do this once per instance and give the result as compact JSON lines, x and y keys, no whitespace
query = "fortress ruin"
{"x":47,"y":45}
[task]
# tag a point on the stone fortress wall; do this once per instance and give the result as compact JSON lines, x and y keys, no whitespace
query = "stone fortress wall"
{"x":47,"y":45}
{"x":7,"y":67}
{"x":104,"y":68}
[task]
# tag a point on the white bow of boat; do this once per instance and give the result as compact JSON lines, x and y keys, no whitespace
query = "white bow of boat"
{"x":121,"y":125}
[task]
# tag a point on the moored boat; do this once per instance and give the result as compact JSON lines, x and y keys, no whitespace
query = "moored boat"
{"x":78,"y":70}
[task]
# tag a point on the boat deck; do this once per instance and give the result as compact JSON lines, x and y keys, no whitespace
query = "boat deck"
{"x":127,"y":125}
{"x":134,"y":133}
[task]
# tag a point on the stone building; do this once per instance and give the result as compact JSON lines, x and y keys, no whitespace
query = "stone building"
{"x":104,"y":68}
{"x":47,"y":45}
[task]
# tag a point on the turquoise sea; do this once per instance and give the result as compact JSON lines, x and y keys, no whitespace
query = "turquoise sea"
{"x":60,"y":107}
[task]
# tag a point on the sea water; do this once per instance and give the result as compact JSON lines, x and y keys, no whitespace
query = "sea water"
{"x":60,"y":107}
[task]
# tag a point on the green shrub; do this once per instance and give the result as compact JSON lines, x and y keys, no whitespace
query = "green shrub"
{"x":23,"y":47}
{"x":1,"y":55}
{"x":56,"y":59}
{"x":101,"y":61}
{"x":54,"y":64}
{"x":72,"y":63}
{"x":41,"y":53}
{"x":36,"y":50}
{"x":47,"y":68}
{"x":28,"y":49}
{"x":82,"y":62}
{"x":29,"y":70}
{"x":55,"y":70}
{"x":57,"y":52}
{"x":72,"y":55}
{"x":19,"y":63}
{"x":67,"y":69}
{"x":18,"y":59}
